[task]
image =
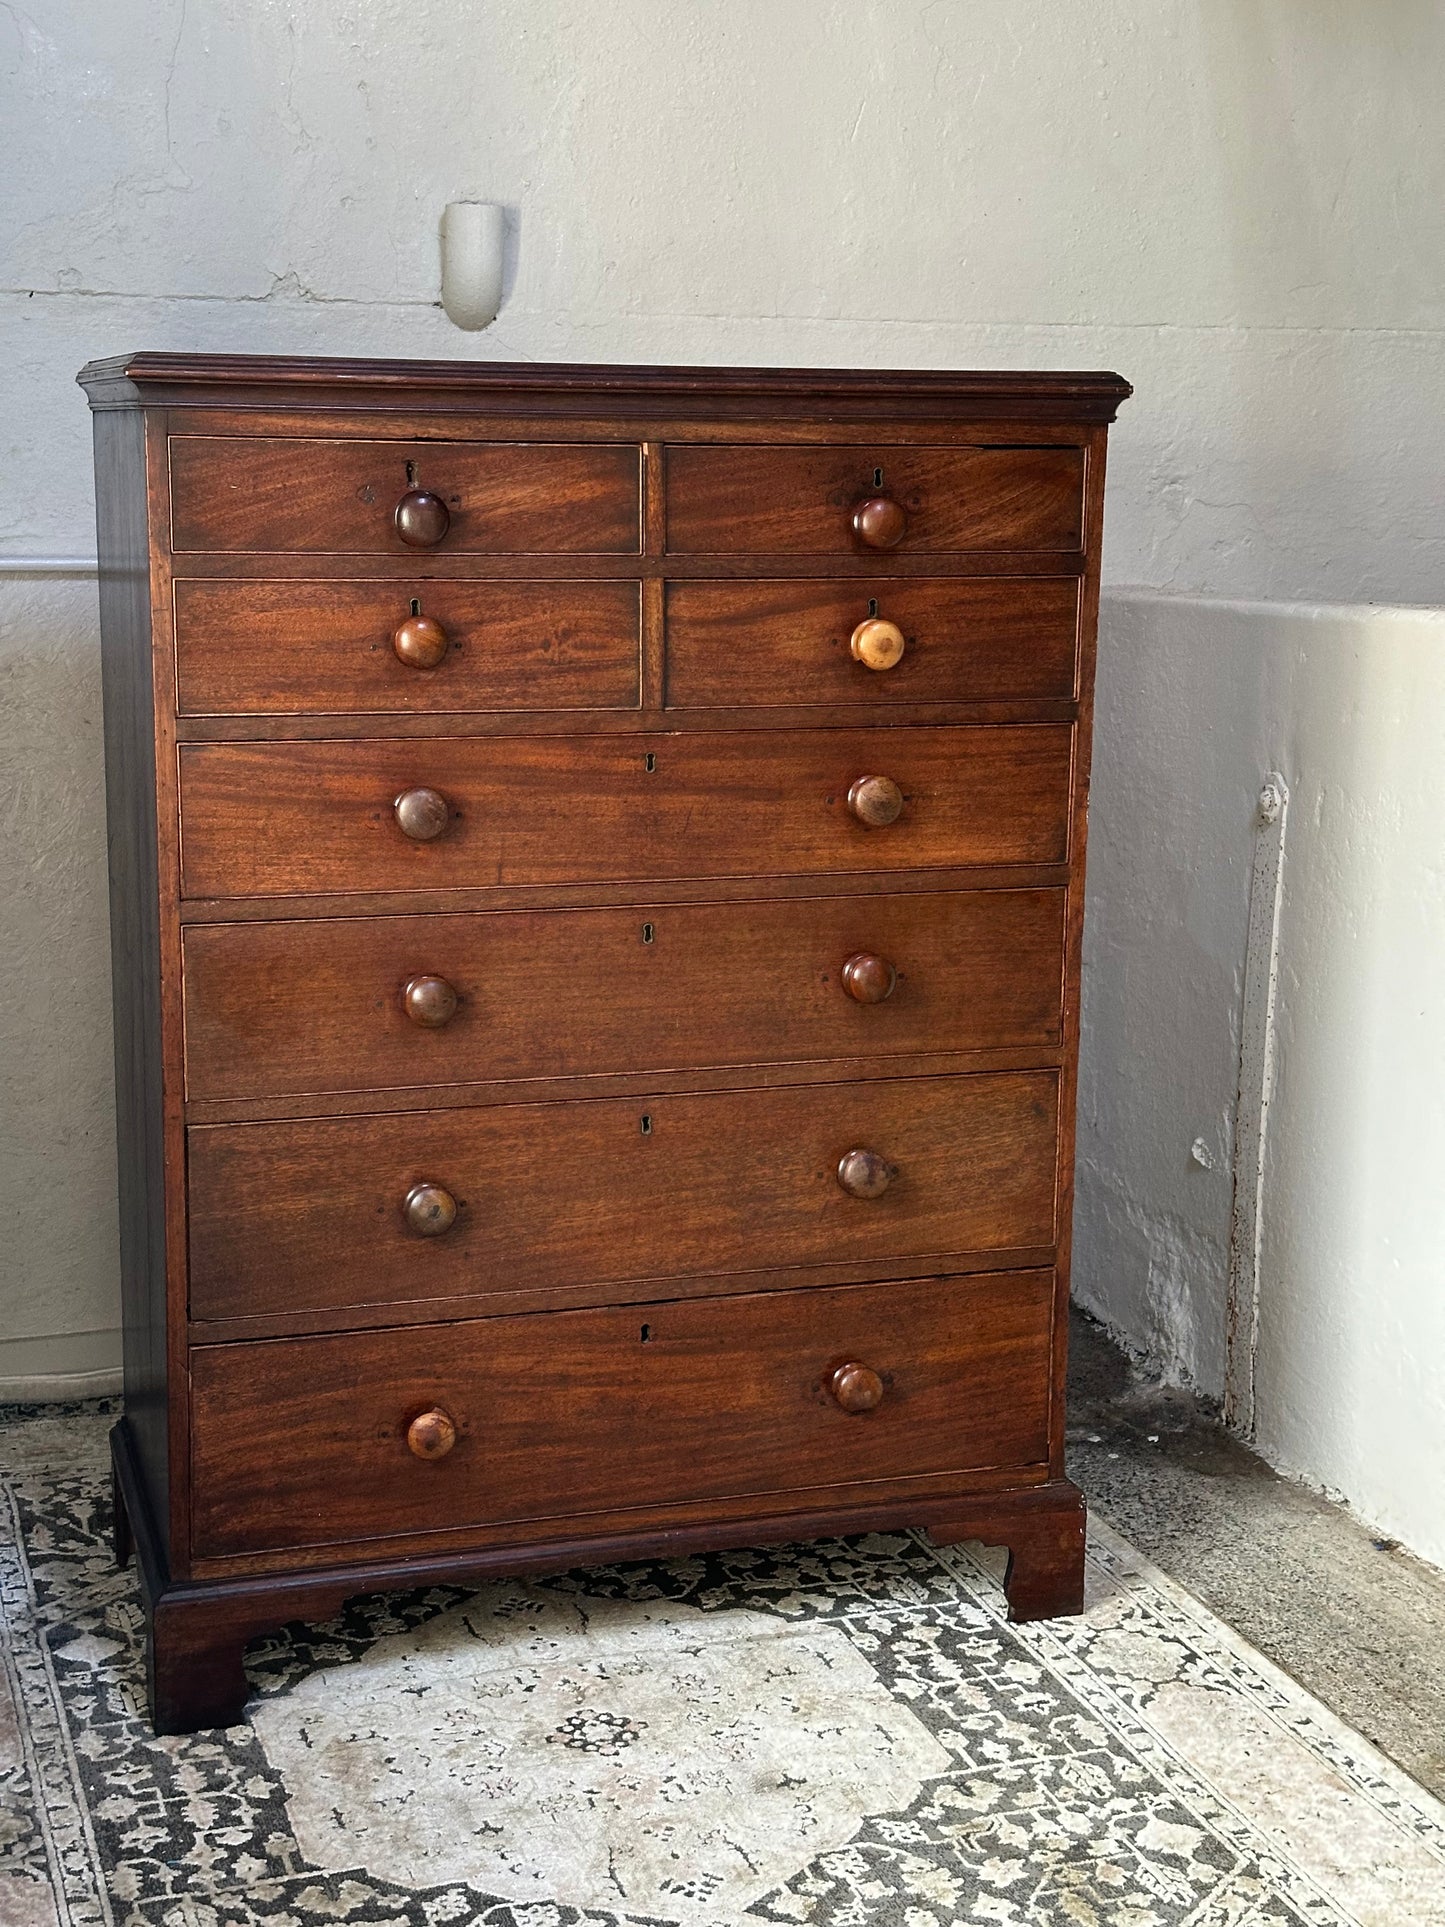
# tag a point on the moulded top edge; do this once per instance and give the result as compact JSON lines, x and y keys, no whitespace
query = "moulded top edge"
{"x":248,"y":380}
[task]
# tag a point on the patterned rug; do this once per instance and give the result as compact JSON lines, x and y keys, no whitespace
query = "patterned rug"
{"x":837,"y":1735}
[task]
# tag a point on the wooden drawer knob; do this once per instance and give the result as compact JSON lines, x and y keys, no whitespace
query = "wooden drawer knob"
{"x":876,"y":801}
{"x":875,"y":643}
{"x":857,"y":1388}
{"x":420,"y":642}
{"x":879,"y":522}
{"x":864,"y":1174}
{"x":430,"y":1210}
{"x":421,"y":814}
{"x":431,"y":1435}
{"x":422,"y":519}
{"x":868,"y":979}
{"x":431,"y":1001}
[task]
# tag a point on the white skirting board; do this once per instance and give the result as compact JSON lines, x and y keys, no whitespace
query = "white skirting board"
{"x":55,"y":1368}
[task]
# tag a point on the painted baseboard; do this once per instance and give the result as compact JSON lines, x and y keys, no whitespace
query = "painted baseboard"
{"x":59,"y":1366}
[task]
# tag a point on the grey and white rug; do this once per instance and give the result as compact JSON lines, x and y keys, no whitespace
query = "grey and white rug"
{"x":836,"y":1735}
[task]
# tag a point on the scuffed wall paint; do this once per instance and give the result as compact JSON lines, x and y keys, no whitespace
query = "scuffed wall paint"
{"x":1198,"y":700}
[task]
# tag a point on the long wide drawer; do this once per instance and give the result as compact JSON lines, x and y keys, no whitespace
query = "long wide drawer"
{"x":416,"y":1206}
{"x":340,"y":497}
{"x":308,"y":1442}
{"x":801,"y":501}
{"x":260,"y":819}
{"x":992,"y":638}
{"x":434,"y":648}
{"x":371,"y":1003}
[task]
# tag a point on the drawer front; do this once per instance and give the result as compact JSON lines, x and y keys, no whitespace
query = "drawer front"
{"x":262,"y":819}
{"x":324,"y":1213}
{"x":755,"y":643}
{"x":341,"y":497}
{"x":305,"y":1442}
{"x":289,"y":648}
{"x":376,"y":1002}
{"x":801,"y":501}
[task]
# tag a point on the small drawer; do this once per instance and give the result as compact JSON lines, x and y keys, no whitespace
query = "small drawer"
{"x":262,"y":819}
{"x":435,"y":647}
{"x":378,"y":1435}
{"x":904,"y":640}
{"x":412,"y":1206}
{"x":373,"y":1003}
{"x":811,"y":500}
{"x":349,"y":497}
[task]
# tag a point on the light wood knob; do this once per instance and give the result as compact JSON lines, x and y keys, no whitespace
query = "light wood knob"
{"x":431,"y":1435}
{"x":431,"y":1001}
{"x":857,"y":1388}
{"x":420,"y":642}
{"x":864,"y":1174}
{"x":422,"y":518}
{"x":868,"y":979}
{"x":876,"y":644}
{"x":879,"y":522}
{"x":429,"y":1210}
{"x":421,"y":814}
{"x":876,"y":801}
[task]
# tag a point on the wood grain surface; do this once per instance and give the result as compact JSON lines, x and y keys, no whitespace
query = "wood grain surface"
{"x":298,"y":1216}
{"x":260,"y":819}
{"x":304,"y":1442}
{"x":318,"y":1005}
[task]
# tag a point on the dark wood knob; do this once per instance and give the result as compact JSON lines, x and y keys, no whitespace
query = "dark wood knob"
{"x":420,"y":642}
{"x":877,"y":644}
{"x":421,"y":814}
{"x":431,"y":1001}
{"x":868,"y":979}
{"x":879,"y":522}
{"x":430,"y":1210}
{"x":422,"y":519}
{"x":857,"y":1388}
{"x":876,"y":801}
{"x":864,"y":1174}
{"x":431,"y":1435}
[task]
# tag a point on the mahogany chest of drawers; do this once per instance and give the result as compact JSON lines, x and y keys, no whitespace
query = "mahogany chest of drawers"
{"x":596,"y":862}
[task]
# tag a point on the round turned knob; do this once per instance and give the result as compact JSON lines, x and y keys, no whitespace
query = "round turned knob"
{"x":431,"y":1001}
{"x":879,"y":522}
{"x":421,"y":814}
{"x":430,"y":1210}
{"x":431,"y":1435}
{"x":868,"y":979}
{"x":875,"y":643}
{"x":420,"y":642}
{"x":876,"y":801}
{"x":422,"y":519}
{"x":857,"y":1388}
{"x":863,"y":1174}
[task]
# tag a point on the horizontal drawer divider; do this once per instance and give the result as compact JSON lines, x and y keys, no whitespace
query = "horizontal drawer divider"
{"x":493,"y":1093}
{"x":277,"y":565}
{"x":380,"y":903}
{"x":629,"y":1291}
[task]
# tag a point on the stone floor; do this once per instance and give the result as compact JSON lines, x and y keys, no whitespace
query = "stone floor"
{"x":1355,"y":1620}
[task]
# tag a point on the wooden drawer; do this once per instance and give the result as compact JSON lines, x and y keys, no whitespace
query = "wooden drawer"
{"x":321,"y":1005}
{"x":289,"y":648}
{"x":304,"y":1442}
{"x":800,"y":500}
{"x":261,"y":819}
{"x":340,"y":497}
{"x":312,"y":1216}
{"x":755,"y":643}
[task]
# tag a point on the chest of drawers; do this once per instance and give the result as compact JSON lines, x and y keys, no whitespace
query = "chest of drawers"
{"x":596,"y":862}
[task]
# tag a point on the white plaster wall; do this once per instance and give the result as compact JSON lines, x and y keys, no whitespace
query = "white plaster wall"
{"x":1234,"y":202}
{"x":1198,"y":701}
